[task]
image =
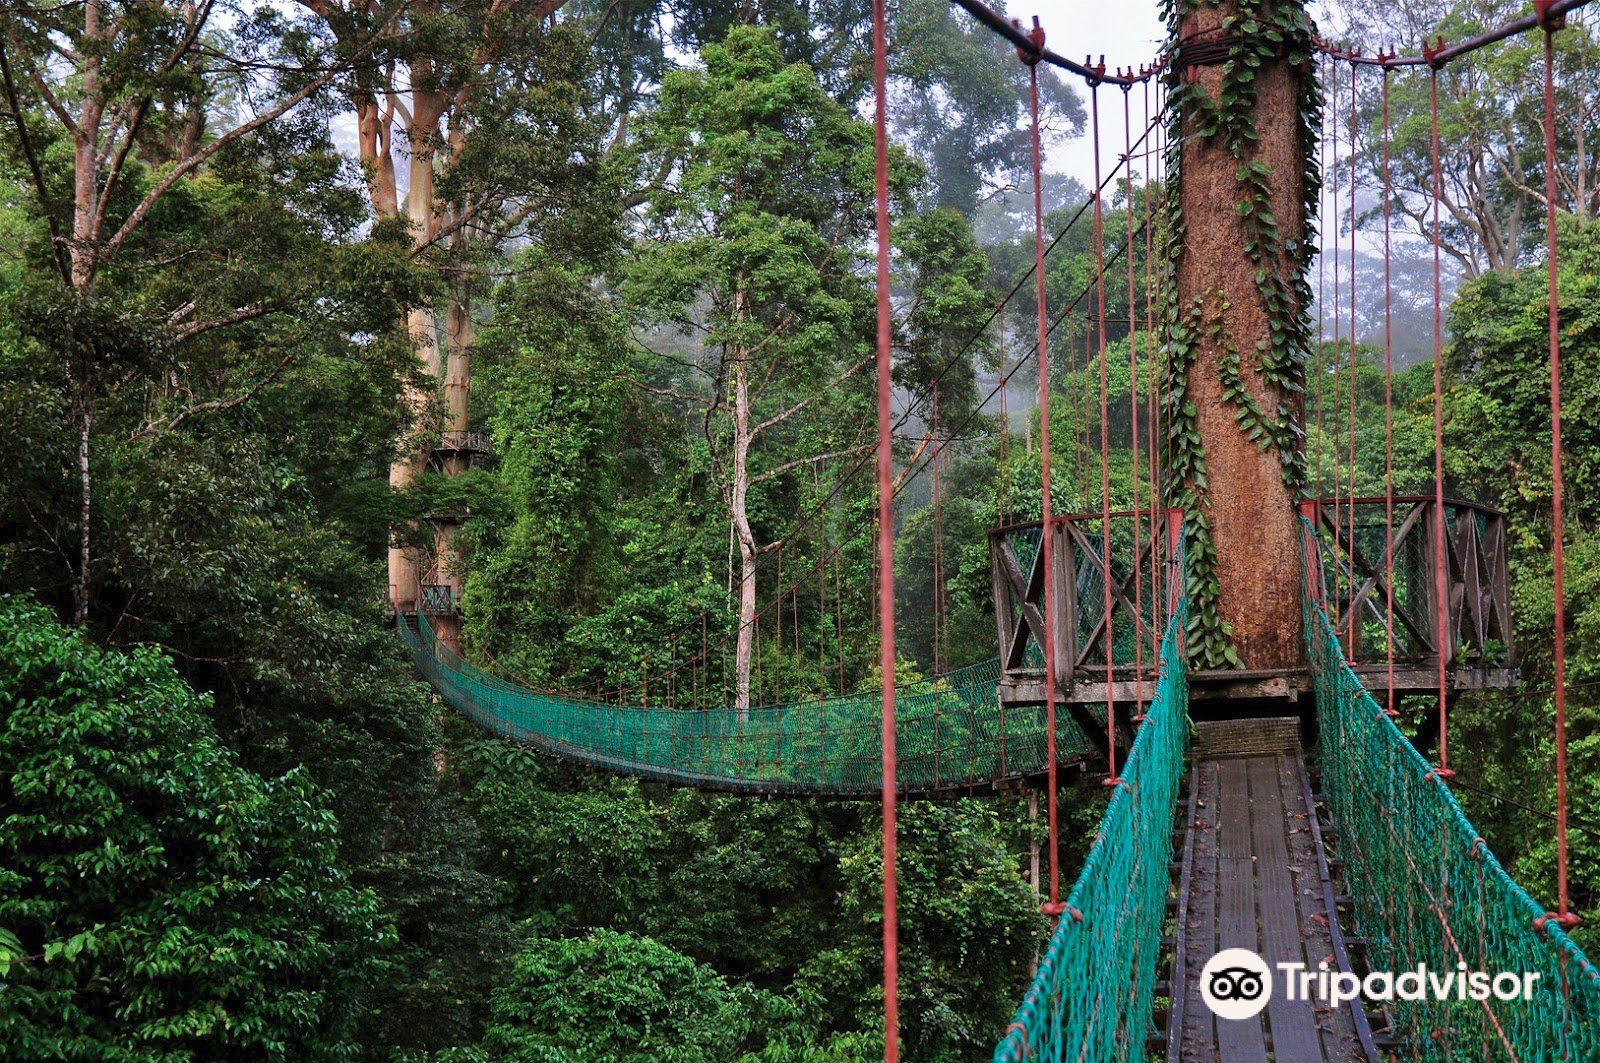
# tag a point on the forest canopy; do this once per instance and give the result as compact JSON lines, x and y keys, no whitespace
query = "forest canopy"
{"x":565,"y":312}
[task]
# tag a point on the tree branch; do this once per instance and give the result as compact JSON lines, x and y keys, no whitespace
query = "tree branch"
{"x":233,"y":317}
{"x":56,"y":247}
{"x":216,"y":405}
{"x":784,"y":415}
{"x":668,"y":393}
{"x":814,"y":459}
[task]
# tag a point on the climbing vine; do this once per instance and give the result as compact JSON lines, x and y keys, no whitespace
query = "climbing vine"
{"x":1256,"y":34}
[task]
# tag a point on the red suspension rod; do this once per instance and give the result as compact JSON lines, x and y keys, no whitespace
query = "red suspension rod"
{"x":1133,"y":416}
{"x":1046,"y":546}
{"x":1105,"y":447}
{"x":1564,"y":915}
{"x":885,"y":461}
{"x":1388,"y":414}
{"x":1441,"y":621}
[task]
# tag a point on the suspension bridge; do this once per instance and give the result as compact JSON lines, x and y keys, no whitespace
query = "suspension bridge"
{"x":1230,"y":658}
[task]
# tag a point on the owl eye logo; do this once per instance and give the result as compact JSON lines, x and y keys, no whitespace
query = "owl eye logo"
{"x":1236,"y":983}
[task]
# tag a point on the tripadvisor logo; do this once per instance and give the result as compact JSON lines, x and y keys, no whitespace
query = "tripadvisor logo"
{"x":1236,"y":984}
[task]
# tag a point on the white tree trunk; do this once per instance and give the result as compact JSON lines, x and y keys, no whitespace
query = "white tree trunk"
{"x":738,"y":507}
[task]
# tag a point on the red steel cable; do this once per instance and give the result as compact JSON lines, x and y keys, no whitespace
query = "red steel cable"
{"x":1152,"y":356}
{"x":1351,"y":412}
{"x":1388,"y":411}
{"x":1046,"y":546}
{"x":885,"y":461}
{"x":1105,"y":448}
{"x":1441,"y":620}
{"x":1334,"y":316}
{"x":1322,"y":309}
{"x":777,"y":630}
{"x":1564,"y":914}
{"x":1133,"y":416}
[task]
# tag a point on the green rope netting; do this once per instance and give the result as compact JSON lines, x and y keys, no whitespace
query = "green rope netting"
{"x":1427,"y":890}
{"x":1093,"y":995}
{"x":952,"y":733}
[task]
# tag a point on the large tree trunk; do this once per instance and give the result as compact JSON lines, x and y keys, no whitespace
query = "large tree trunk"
{"x":1251,"y":506}
{"x":458,"y":368}
{"x":421,"y":211}
{"x":376,"y":159}
{"x":738,"y":509}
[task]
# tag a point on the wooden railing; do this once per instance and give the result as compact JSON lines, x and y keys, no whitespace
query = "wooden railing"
{"x":1477,"y":648}
{"x":1373,"y":555}
{"x":1142,"y":545}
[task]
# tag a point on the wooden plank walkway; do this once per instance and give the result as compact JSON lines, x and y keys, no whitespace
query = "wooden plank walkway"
{"x":1254,"y":876}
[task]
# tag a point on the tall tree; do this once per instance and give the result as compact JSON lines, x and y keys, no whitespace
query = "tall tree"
{"x":483,"y":106}
{"x":1490,"y":123}
{"x":753,"y":245}
{"x":111,"y":80}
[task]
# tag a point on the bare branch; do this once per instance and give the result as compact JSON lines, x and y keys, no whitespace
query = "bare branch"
{"x":233,"y":317}
{"x":668,"y":393}
{"x":814,"y":459}
{"x":57,"y":249}
{"x":784,"y":415}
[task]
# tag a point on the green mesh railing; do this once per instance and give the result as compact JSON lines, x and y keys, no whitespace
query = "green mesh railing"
{"x":1093,"y":995}
{"x":1427,"y":890}
{"x":953,"y":732}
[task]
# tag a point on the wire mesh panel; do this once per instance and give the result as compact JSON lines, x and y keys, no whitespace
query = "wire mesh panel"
{"x":952,"y":731}
{"x":1428,"y":891}
{"x":1093,"y":996}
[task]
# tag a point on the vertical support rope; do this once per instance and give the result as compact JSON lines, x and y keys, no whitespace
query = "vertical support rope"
{"x":1046,"y":536}
{"x":1152,"y":357}
{"x":1564,"y":915}
{"x":1388,"y":412}
{"x":1350,"y":414}
{"x":1111,"y":779}
{"x":1335,"y":316}
{"x":1133,"y":414}
{"x":885,"y":463}
{"x":1441,"y":618}
{"x":1322,"y":306}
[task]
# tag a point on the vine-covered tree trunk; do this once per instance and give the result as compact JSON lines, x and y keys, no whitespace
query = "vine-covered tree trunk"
{"x":1246,"y":98}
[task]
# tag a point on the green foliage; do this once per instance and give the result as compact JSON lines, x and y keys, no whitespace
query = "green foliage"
{"x":945,"y":332}
{"x":161,"y":901}
{"x":614,"y":996}
{"x":1498,"y":445}
{"x":969,"y":928}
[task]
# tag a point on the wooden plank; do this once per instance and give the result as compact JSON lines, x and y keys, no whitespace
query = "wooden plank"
{"x":1292,"y":1022}
{"x":1354,"y":1041}
{"x":1243,"y":1040}
{"x":1199,"y":1034}
{"x":1177,"y":1016}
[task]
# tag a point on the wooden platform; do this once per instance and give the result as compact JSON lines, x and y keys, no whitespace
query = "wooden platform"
{"x":1254,"y":876}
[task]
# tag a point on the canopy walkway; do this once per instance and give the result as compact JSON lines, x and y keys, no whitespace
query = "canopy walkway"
{"x":1422,"y":888}
{"x":954,"y":738}
{"x":1252,"y":869}
{"x":1374,"y":869}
